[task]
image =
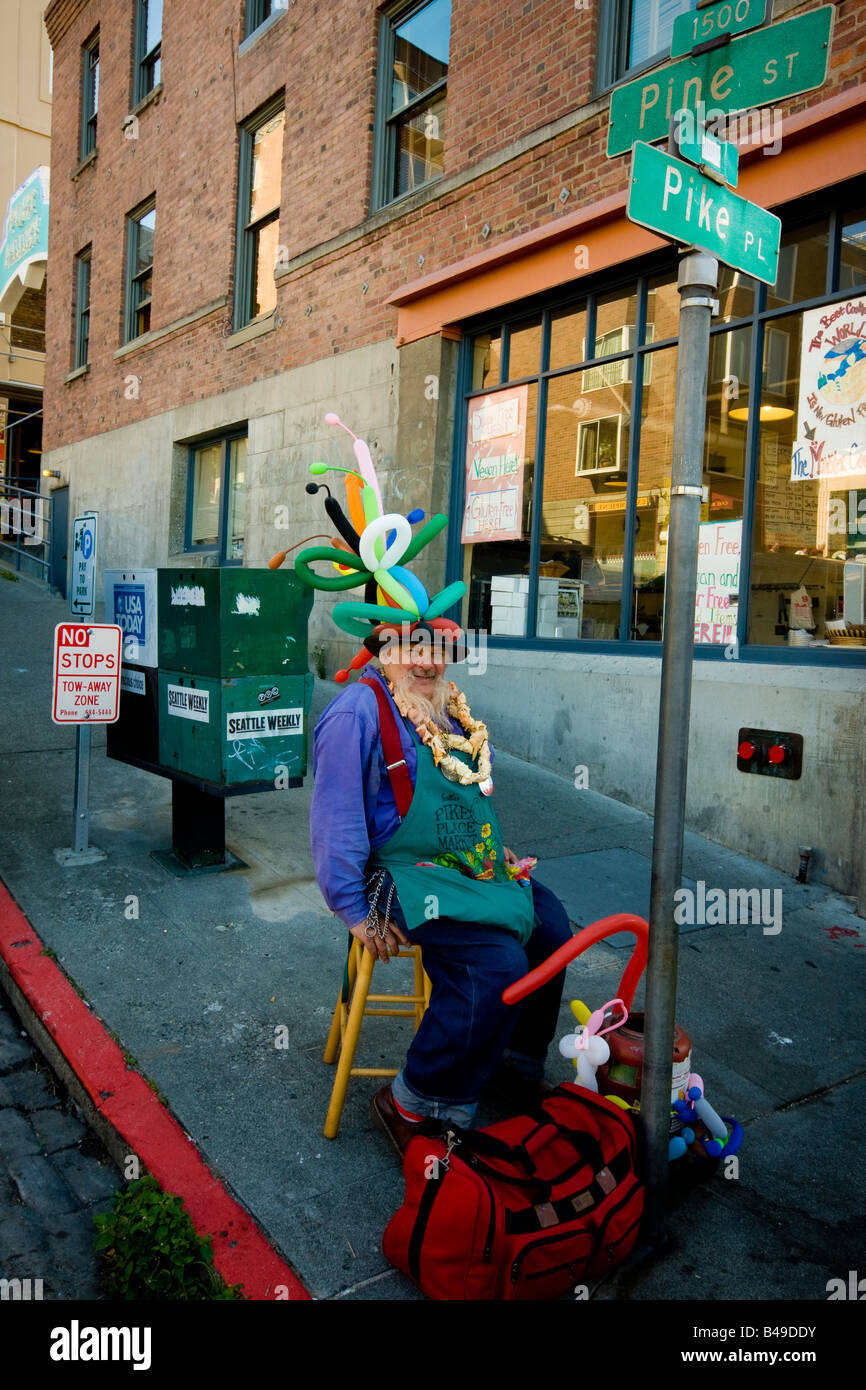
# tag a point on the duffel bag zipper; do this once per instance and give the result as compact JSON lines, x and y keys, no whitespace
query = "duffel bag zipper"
{"x":548,"y":1240}
{"x":619,"y":1240}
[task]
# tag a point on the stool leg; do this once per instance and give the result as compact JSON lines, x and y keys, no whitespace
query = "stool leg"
{"x":350,"y":1042}
{"x":418,"y":988}
{"x":333,"y":1044}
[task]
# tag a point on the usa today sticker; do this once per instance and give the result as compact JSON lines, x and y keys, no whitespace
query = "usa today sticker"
{"x":257,"y":723}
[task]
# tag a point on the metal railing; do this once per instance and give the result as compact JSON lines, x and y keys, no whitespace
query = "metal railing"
{"x":25,"y":530}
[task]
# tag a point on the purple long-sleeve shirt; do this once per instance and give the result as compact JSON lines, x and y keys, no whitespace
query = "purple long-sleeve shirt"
{"x":353,"y":810}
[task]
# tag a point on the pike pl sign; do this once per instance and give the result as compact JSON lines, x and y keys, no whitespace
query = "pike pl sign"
{"x":675,"y":199}
{"x":753,"y":70}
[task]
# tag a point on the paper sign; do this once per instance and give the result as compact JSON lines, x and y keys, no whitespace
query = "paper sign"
{"x":495,"y":455}
{"x":830,"y":440}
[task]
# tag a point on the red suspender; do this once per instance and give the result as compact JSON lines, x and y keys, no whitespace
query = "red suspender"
{"x":398,"y":772}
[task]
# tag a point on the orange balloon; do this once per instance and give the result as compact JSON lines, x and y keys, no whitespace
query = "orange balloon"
{"x":353,"y":497}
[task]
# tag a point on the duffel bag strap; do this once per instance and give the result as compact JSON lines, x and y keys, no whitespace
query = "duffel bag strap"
{"x":545,"y":1214}
{"x":587,"y":1147}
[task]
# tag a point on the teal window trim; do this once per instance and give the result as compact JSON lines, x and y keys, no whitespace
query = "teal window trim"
{"x":225,"y":440}
{"x":132,"y":304}
{"x":145,"y":59}
{"x":385,"y":135}
{"x":81,"y":355}
{"x":247,"y":232}
{"x":89,"y":94}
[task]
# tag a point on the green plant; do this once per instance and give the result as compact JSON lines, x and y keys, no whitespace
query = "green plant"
{"x":151,"y":1250}
{"x":318,"y":655}
{"x":8,"y":575}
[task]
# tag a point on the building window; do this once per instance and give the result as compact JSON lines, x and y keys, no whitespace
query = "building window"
{"x":139,"y":269}
{"x":258,"y":11}
{"x":89,"y":94}
{"x":413,"y":68}
{"x":635,"y":34}
{"x":216,"y":497}
{"x":148,"y":46}
{"x":562,"y":499}
{"x":261,"y":158}
{"x":81,"y":354}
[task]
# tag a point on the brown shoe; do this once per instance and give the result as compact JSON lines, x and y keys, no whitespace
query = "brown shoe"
{"x":386,"y":1117}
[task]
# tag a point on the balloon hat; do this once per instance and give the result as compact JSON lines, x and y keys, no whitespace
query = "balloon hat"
{"x":372,"y":549}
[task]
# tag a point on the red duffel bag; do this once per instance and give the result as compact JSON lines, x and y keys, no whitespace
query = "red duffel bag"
{"x":525,"y":1209}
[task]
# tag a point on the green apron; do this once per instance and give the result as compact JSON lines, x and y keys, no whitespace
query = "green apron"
{"x":447,"y":858}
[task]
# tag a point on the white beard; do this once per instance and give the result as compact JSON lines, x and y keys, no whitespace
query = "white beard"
{"x":433,"y":707}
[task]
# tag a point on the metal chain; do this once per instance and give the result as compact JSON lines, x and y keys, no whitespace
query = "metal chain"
{"x":371,"y":928}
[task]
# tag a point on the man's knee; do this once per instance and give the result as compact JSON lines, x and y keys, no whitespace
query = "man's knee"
{"x":500,"y":964}
{"x":554,"y":925}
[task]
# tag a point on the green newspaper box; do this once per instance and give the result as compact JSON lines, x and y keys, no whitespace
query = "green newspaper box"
{"x":234,"y":730}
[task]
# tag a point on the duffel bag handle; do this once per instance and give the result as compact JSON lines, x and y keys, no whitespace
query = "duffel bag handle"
{"x":580,"y":942}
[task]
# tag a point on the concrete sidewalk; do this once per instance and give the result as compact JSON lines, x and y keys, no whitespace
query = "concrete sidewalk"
{"x":198,"y":985}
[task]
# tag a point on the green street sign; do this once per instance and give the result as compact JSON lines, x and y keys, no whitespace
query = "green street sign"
{"x":718,"y":159}
{"x":674,"y":199}
{"x":753,"y":70}
{"x":710,"y":22}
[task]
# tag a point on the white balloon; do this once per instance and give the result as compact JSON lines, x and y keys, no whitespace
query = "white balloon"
{"x":378,"y":527}
{"x":568,"y":1045}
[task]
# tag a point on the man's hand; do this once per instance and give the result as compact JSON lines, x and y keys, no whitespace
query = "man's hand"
{"x":379,"y":948}
{"x":510,"y":856}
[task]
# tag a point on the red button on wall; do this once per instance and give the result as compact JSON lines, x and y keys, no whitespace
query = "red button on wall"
{"x":778,"y":753}
{"x":746,"y":751}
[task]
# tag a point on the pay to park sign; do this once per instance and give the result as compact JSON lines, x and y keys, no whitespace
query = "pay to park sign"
{"x":86,"y":673}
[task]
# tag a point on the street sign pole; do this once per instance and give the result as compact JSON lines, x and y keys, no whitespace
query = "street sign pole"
{"x":697,"y":283}
{"x":81,"y":813}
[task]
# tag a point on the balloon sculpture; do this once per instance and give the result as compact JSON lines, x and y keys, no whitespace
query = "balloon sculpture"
{"x":701,"y":1130}
{"x":372,"y":549}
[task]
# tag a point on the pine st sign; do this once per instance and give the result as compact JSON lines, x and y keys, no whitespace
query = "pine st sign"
{"x":756,"y":69}
{"x":86,"y":673}
{"x":678,"y":201}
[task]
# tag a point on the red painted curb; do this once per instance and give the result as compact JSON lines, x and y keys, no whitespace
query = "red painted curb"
{"x":241,"y":1253}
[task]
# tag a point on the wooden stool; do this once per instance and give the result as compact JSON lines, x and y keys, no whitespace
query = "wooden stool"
{"x":350,"y":1012}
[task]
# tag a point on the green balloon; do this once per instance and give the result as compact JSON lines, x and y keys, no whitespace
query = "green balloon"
{"x":318,"y":468}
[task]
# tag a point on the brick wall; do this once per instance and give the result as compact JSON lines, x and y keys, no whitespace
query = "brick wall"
{"x":514,"y":66}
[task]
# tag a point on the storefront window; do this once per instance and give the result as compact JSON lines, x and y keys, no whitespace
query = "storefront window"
{"x":486,"y":361}
{"x":524,"y":349}
{"x":567,"y":337}
{"x":802,"y":265}
{"x":807,"y":575}
{"x":583,"y":504}
{"x":853,"y":267}
{"x":785,"y":417}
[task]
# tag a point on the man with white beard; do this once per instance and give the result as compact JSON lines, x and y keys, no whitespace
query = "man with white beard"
{"x":407,"y":849}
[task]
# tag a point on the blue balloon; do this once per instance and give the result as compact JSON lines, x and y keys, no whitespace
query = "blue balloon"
{"x":413,"y":584}
{"x":415,"y":515}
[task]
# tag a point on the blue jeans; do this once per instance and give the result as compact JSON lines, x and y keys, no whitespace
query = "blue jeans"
{"x":466,"y":1028}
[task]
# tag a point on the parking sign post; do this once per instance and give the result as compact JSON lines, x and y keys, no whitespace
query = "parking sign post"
{"x":86,"y":691}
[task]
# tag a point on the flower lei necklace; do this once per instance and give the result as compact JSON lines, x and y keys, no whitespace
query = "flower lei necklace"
{"x":476,"y":743}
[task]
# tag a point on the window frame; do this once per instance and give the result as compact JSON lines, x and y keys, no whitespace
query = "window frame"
{"x":224,"y":438}
{"x":255,"y":19}
{"x":760,"y":318}
{"x":144,"y":60}
{"x":247,"y":232}
{"x":614,"y":35}
{"x":89,"y":95}
{"x":384,"y":142}
{"x":132,"y":307}
{"x":83,"y":281}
